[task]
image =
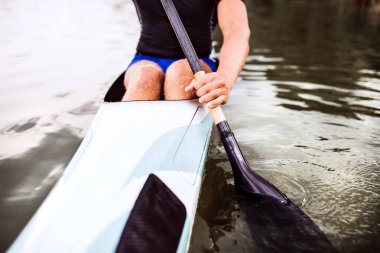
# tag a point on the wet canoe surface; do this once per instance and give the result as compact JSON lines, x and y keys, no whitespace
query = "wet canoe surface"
{"x":128,"y":141}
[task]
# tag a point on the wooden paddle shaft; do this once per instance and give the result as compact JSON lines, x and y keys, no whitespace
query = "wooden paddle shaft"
{"x":217,"y":114}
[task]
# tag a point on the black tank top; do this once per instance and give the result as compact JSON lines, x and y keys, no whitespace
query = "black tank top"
{"x":157,"y":36}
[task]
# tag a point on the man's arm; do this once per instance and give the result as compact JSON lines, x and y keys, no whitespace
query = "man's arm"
{"x":214,"y":88}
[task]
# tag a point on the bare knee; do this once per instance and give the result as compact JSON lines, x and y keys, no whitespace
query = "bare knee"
{"x":178,"y":76}
{"x":146,"y":77}
{"x":143,"y":81}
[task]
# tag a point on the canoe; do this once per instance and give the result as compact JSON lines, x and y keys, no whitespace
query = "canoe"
{"x":127,"y":143}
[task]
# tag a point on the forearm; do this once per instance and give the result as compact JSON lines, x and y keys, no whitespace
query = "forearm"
{"x":214,"y":88}
{"x":233,"y":55}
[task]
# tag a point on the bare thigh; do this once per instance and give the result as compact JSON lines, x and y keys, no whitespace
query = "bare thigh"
{"x":178,"y":76}
{"x":143,"y":81}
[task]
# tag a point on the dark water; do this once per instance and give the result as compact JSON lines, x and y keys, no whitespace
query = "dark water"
{"x":305,"y":112}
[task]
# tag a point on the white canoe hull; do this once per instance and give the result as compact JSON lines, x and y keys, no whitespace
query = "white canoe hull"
{"x":88,"y":208}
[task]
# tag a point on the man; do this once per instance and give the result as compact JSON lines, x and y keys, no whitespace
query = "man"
{"x":159,"y":68}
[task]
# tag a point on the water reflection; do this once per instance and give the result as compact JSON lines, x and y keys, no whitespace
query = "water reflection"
{"x":218,"y":211}
{"x":348,"y":98}
{"x":306,"y":114}
{"x":20,"y":127}
{"x":328,"y":100}
{"x":56,"y":60}
{"x":27,"y":179}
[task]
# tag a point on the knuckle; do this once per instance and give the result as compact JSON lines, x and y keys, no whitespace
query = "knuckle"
{"x":198,"y":85}
{"x":200,"y":92}
{"x":207,"y":89}
{"x":216,"y":93}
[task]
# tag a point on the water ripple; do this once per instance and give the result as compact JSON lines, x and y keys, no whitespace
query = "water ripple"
{"x":20,"y":127}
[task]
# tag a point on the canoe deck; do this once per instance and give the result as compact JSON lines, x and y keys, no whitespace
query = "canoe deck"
{"x":88,"y":208}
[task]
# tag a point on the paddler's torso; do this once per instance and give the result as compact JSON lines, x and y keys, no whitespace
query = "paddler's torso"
{"x":157,"y":36}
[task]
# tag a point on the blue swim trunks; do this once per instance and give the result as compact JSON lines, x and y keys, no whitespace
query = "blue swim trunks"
{"x":164,"y":63}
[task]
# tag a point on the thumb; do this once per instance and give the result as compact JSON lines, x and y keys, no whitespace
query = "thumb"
{"x":190,"y":87}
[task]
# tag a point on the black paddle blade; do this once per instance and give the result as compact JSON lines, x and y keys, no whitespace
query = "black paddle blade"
{"x":278,"y":227}
{"x":276,"y":224}
{"x":156,"y":220}
{"x":245,"y":179}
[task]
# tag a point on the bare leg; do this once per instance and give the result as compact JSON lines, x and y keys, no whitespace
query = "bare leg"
{"x":143,"y":81}
{"x":178,"y":76}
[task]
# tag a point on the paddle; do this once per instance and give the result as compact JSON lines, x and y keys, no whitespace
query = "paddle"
{"x":276,"y":224}
{"x":245,"y":179}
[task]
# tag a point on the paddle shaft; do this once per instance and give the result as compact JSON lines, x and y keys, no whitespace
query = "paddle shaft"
{"x":188,"y":49}
{"x":245,"y":179}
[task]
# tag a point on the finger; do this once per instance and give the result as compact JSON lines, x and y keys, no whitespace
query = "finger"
{"x":216,"y":102}
{"x":203,"y":80}
{"x":209,"y":87}
{"x":190,"y":87}
{"x":211,"y":95}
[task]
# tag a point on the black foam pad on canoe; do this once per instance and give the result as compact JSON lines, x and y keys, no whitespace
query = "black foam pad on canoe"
{"x":156,"y":220}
